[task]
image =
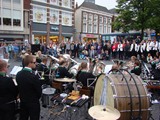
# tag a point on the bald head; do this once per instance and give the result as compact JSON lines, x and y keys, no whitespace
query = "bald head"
{"x":3,"y":65}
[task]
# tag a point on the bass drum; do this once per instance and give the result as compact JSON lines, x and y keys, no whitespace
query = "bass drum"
{"x":130,"y":102}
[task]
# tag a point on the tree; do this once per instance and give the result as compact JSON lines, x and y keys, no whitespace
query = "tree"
{"x":154,"y":12}
{"x":133,"y":15}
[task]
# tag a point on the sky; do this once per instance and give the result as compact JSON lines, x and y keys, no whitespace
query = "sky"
{"x":109,"y":4}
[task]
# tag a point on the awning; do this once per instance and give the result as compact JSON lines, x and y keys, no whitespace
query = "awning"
{"x":67,"y":34}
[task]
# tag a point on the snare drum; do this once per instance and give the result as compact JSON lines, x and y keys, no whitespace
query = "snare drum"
{"x":47,"y":94}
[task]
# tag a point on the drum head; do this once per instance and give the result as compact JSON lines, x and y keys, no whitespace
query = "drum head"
{"x":99,"y":89}
{"x":48,"y":91}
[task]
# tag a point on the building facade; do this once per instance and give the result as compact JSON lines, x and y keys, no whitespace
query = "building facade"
{"x":52,"y":20}
{"x":13,"y":21}
{"x":91,"y":21}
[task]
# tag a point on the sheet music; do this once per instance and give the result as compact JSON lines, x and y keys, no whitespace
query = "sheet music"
{"x":107,"y":69}
{"x":15,"y":70}
{"x":6,"y":60}
{"x":48,"y":62}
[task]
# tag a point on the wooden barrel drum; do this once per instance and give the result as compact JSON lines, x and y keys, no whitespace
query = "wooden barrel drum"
{"x":126,"y":93}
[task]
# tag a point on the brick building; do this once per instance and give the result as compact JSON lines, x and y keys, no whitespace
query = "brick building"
{"x":52,"y":20}
{"x":91,"y":21}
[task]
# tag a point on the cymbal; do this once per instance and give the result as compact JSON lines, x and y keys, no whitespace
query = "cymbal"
{"x":65,"y":80}
{"x":100,"y":112}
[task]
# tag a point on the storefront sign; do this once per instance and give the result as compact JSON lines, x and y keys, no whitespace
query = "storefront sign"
{"x":54,"y":28}
{"x":90,"y":35}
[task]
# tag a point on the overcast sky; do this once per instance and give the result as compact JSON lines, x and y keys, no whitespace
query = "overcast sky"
{"x":109,"y":4}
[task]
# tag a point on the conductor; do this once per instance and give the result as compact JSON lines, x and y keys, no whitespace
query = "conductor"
{"x":29,"y":90}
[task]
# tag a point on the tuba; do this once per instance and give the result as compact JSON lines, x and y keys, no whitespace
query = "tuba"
{"x":98,"y":68}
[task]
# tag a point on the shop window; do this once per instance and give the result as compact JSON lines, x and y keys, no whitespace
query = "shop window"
{"x":16,"y":22}
{"x":7,"y":21}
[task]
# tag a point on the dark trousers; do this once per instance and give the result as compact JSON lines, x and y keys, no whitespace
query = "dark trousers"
{"x":30,"y":110}
{"x":7,"y":111}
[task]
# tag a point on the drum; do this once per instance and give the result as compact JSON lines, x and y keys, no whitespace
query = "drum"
{"x":130,"y":97}
{"x":47,"y":94}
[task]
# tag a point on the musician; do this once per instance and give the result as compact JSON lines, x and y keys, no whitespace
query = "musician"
{"x":29,"y":90}
{"x":133,"y":48}
{"x":62,"y":71}
{"x":137,"y":68}
{"x":120,"y":50}
{"x":83,"y":74}
{"x":149,"y":58}
{"x":43,"y":70}
{"x":39,"y":57}
{"x":8,"y":92}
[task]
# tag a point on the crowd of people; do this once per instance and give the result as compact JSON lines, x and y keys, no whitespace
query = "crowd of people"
{"x":104,"y":50}
{"x":27,"y":86}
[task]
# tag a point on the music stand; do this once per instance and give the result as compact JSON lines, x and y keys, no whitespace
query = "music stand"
{"x":90,"y":82}
{"x":15,"y":70}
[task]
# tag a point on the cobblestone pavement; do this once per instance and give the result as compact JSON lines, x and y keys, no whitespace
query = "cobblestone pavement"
{"x":45,"y":112}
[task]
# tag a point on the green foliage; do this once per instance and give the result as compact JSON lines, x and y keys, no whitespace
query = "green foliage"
{"x":137,"y":15}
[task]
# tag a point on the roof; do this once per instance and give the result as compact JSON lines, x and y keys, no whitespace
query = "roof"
{"x":94,"y":6}
{"x":113,"y":11}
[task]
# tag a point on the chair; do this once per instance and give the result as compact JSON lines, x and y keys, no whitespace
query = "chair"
{"x":89,"y":92}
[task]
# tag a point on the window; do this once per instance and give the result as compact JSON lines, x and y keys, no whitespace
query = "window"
{"x":41,"y":1}
{"x":54,"y":2}
{"x":66,"y":18}
{"x":100,"y":29}
{"x":95,"y":18}
{"x":66,"y":3}
{"x":109,"y":29}
{"x":39,"y":14}
{"x":17,"y":1}
{"x":109,"y":20}
{"x":90,"y":28}
{"x":84,"y":27}
{"x":105,"y":29}
{"x":0,"y":16}
{"x":90,"y":19}
{"x":54,"y":16}
{"x":95,"y":29}
{"x":6,"y":16}
{"x":84,"y":17}
{"x":105,"y":20}
{"x":100,"y":19}
{"x":16,"y":18}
